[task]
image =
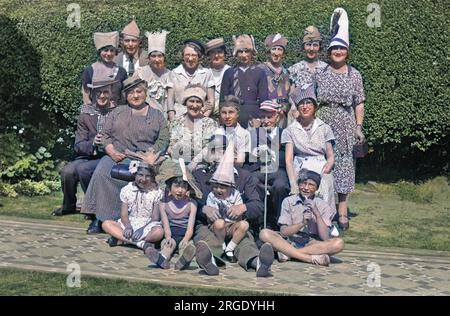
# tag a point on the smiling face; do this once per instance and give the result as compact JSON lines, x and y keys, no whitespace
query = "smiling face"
{"x":221,"y":191}
{"x":156,"y":60}
{"x":269,"y":119}
{"x":194,"y":107}
{"x":102,"y":96}
{"x":312,"y":49}
{"x":217,"y":57}
{"x":307,"y":188}
{"x":276,"y":54}
{"x":107,"y":54}
{"x":306,"y":109}
{"x":191,"y":58}
{"x":338,"y":54}
{"x":136,"y":96}
{"x":131,"y":44}
{"x":245,"y":57}
{"x":229,"y":116}
{"x":144,"y":178}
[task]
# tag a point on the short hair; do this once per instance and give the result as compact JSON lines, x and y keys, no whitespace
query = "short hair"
{"x":230,"y":101}
{"x":180,"y":182}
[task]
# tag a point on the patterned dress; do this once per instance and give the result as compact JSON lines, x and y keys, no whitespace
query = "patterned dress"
{"x":186,"y":143}
{"x":301,"y":74}
{"x":310,"y":153}
{"x":338,"y":95}
{"x":141,"y":206}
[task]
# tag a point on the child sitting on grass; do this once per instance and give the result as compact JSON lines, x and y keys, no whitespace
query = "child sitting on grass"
{"x":139,"y":222}
{"x":177,"y":213}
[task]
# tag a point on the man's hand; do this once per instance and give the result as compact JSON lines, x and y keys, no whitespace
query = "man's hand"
{"x":360,"y":138}
{"x":211,"y":213}
{"x":307,"y":216}
{"x":116,"y":155}
{"x":235,"y":211}
{"x":255,"y":122}
{"x":151,"y":158}
{"x":128,"y":232}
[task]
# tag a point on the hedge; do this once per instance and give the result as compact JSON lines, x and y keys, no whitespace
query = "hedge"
{"x":404,"y":62}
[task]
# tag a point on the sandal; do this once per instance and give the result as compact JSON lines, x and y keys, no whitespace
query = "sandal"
{"x":343,"y":225}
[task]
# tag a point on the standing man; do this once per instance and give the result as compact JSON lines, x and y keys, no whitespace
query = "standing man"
{"x":245,"y":80}
{"x":277,"y":75}
{"x":216,"y":51}
{"x":132,"y":56}
{"x":88,"y":140}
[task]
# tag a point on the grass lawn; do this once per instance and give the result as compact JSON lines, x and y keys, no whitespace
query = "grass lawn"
{"x":20,"y":282}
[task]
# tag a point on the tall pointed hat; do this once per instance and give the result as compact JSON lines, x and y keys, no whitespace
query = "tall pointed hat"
{"x":132,"y":29}
{"x":224,"y":173}
{"x":339,"y":28}
{"x":157,"y":41}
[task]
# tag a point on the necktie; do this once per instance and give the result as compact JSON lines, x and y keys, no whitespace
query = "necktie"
{"x":236,"y":86}
{"x":130,"y":66}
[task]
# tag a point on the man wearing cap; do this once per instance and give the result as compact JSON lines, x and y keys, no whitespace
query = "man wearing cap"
{"x":160,"y":93}
{"x":245,"y":80}
{"x":189,"y":73}
{"x":267,"y":157}
{"x":132,"y":56}
{"x":277,"y":75}
{"x":105,"y":69}
{"x":88,"y":140}
{"x":135,"y":129}
{"x":301,"y":211}
{"x":209,"y":247}
{"x":216,"y":51}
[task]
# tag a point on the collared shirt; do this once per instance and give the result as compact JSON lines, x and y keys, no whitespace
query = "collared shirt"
{"x":218,"y":76}
{"x":312,"y":143}
{"x":181,"y":79}
{"x":292,"y":210}
{"x":224,"y":204}
{"x":240,"y":137}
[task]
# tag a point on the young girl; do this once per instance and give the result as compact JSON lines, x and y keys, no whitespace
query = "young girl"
{"x":139,"y":222}
{"x":178,"y":213}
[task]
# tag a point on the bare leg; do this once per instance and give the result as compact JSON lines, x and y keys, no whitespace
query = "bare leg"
{"x":342,"y":210}
{"x":239,"y":231}
{"x":219,"y":229}
{"x":113,"y":228}
{"x":329,"y":247}
{"x":156,"y":234}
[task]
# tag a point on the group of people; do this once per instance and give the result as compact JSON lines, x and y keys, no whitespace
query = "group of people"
{"x":255,"y":152}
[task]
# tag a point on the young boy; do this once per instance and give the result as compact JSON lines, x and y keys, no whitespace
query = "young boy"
{"x":222,"y":197}
{"x":299,"y":212}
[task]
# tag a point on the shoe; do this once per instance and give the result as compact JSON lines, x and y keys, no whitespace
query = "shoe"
{"x":185,"y":258}
{"x":264,"y":261}
{"x":60,"y":212}
{"x":112,"y":241}
{"x":282,"y":257}
{"x":343,"y":225}
{"x":321,"y":260}
{"x":229,"y":256}
{"x":205,"y":259}
{"x":95,"y":227}
{"x":157,"y":258}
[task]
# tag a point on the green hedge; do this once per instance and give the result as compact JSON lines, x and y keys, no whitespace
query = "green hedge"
{"x":404,"y":63}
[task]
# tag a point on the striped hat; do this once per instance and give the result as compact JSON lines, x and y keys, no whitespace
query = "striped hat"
{"x":269,"y":106}
{"x":304,"y":92}
{"x":215,"y":43}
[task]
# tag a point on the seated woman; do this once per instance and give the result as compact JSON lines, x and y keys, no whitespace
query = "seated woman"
{"x":309,"y":144}
{"x":135,"y":129}
{"x":191,"y":132}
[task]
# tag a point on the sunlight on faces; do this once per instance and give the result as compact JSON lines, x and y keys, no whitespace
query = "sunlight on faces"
{"x":143,"y":178}
{"x":245,"y":56}
{"x":312,"y":49}
{"x":102,"y":96}
{"x":217,"y":57}
{"x":156,"y":60}
{"x":131,"y":44}
{"x":107,"y":54}
{"x":307,"y":188}
{"x":306,"y":109}
{"x":338,"y":54}
{"x":276,"y":54}
{"x":194,"y":107}
{"x":191,"y":58}
{"x":136,"y":96}
{"x":229,"y":116}
{"x":221,"y":191}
